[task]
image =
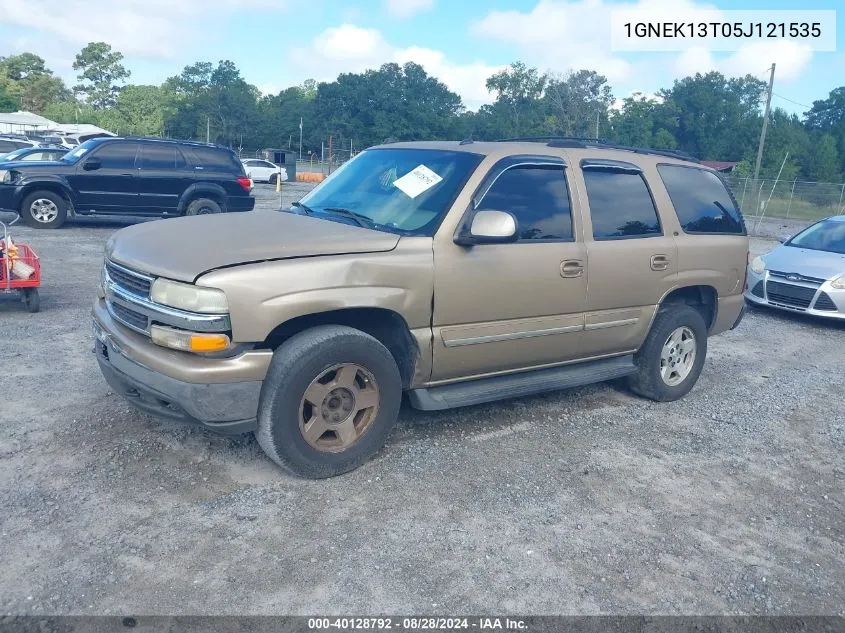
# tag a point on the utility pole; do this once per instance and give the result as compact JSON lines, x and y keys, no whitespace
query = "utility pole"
{"x":300,"y":138}
{"x":208,"y":129}
{"x":765,"y":124}
{"x":597,"y":123}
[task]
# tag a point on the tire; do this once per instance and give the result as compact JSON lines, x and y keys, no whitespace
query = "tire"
{"x":203,"y":206}
{"x":273,"y":178}
{"x":296,"y":367}
{"x":31,"y":299}
{"x":649,"y":380}
{"x":49,"y":206}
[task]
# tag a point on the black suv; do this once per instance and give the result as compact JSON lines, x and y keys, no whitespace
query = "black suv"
{"x":126,"y":176}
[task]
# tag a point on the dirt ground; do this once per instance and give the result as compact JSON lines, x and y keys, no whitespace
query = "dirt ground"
{"x":589,"y":501}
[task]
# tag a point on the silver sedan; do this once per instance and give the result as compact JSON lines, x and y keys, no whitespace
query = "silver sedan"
{"x":806,"y":273}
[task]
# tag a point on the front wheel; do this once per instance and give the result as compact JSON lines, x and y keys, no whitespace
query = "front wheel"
{"x":329,"y":401}
{"x":44,"y":210}
{"x":672,"y":357}
{"x":31,"y":299}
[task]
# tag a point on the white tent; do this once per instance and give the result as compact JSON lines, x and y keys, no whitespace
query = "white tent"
{"x":80,"y":129}
{"x":21,"y":122}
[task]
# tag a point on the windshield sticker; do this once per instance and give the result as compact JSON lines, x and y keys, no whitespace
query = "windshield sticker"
{"x":417,"y":181}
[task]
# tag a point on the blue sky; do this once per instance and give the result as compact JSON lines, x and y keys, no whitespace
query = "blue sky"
{"x":277,"y":43}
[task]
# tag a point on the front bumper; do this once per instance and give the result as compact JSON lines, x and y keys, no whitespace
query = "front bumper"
{"x":818,"y":295}
{"x":222,"y":397}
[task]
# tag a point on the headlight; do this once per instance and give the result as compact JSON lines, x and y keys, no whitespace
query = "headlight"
{"x":189,"y":297}
{"x":839,"y":282}
{"x":188,"y":341}
{"x":5,"y":176}
{"x":758,"y":266}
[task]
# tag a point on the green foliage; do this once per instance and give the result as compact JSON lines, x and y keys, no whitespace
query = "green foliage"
{"x":707,"y":115}
{"x":100,"y":72}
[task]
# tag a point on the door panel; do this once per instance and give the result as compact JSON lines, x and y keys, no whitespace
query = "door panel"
{"x":633,"y":263}
{"x":113,"y":186}
{"x":506,"y":307}
{"x":163,"y":178}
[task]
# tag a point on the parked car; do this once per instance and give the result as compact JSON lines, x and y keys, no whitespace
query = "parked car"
{"x":455,"y":272}
{"x":32,"y":154}
{"x":264,"y":171}
{"x":11,"y":143}
{"x":806,"y":273}
{"x":126,"y":176}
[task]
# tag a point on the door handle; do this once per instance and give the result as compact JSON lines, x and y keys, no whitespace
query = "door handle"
{"x":659,"y":262}
{"x":571,"y":268}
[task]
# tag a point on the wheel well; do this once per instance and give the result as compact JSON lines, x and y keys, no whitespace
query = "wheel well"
{"x":702,"y":298}
{"x":386,"y":326}
{"x":196,"y":195}
{"x":47,"y":186}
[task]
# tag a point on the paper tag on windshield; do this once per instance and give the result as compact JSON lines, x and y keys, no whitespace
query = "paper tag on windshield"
{"x":417,"y":181}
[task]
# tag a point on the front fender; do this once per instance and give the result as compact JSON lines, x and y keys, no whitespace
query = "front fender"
{"x":27,"y":184}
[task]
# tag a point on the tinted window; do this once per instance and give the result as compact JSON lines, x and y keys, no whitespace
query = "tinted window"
{"x":217,"y":160}
{"x":117,"y":155}
{"x":701,"y":200}
{"x":8,"y":146}
{"x":163,"y":156}
{"x":537,"y":197}
{"x":620,"y":205}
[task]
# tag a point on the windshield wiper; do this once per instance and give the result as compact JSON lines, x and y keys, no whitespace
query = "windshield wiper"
{"x":359,"y":218}
{"x":308,"y":210}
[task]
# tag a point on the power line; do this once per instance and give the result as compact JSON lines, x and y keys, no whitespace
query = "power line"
{"x":791,"y":101}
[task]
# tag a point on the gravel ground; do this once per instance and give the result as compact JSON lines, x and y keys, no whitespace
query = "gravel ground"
{"x":588,"y":501}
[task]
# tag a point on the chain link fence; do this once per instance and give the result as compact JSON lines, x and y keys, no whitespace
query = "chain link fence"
{"x":790,"y":199}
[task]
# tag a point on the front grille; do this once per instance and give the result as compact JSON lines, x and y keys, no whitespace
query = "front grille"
{"x":787,"y":294}
{"x":796,"y":277}
{"x":757,"y":290}
{"x":824,"y":302}
{"x":129,"y":317}
{"x":135,"y":283}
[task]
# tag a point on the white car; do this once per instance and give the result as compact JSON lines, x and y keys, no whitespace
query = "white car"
{"x":264,"y":171}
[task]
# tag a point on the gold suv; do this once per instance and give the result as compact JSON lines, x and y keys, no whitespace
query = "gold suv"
{"x":456,"y":272}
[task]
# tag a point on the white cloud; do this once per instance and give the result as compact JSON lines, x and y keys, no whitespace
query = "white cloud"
{"x":561,"y":35}
{"x":791,"y":59}
{"x":351,"y":48}
{"x":407,"y":8}
{"x":152,"y":29}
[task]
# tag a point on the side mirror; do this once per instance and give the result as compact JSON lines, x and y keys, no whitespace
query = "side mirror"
{"x":92,"y":164}
{"x":783,"y":239}
{"x":489,"y":227}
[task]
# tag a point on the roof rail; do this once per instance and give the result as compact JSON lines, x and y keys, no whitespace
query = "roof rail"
{"x":585,"y":142}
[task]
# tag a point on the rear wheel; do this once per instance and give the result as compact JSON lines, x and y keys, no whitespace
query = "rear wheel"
{"x":31,"y":299}
{"x":203,"y":206}
{"x":273,"y":179}
{"x":672,"y":357}
{"x":329,"y":401}
{"x":44,"y":210}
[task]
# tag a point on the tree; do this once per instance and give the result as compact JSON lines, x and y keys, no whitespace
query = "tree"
{"x":101,"y":72}
{"x":518,"y":89}
{"x":8,"y":102}
{"x":823,"y":163}
{"x":828,"y":117}
{"x":30,"y":83}
{"x":577,"y":101}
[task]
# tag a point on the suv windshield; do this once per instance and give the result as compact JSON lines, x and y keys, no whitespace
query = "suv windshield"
{"x":78,"y":152}
{"x":398,"y":190}
{"x":827,"y":235}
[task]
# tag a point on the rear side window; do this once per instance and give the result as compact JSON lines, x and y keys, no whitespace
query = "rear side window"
{"x":213,"y":159}
{"x":8,"y":146}
{"x":701,"y":200}
{"x":161,"y":156}
{"x":538,"y":198}
{"x":620,"y":205}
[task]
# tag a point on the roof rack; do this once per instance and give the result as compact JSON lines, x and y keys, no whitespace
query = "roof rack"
{"x":585,"y":142}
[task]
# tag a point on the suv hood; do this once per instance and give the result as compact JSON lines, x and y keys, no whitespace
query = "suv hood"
{"x":185,"y":248}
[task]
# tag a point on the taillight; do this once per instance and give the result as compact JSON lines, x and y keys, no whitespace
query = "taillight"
{"x":244,"y":182}
{"x":747,"y":262}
